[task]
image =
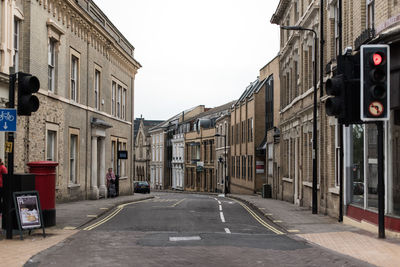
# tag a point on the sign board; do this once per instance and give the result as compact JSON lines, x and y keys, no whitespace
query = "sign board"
{"x":122,"y":154}
{"x":259,"y":166}
{"x":8,"y":120}
{"x":28,"y":211}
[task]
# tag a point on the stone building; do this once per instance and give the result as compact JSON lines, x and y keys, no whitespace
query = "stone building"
{"x":223,"y":152}
{"x":200,"y":149}
{"x":247,"y":134}
{"x":296,"y":106}
{"x":163,"y":165}
{"x":142,"y":149}
{"x":87,"y":70}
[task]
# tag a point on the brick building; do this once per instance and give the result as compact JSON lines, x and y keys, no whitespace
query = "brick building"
{"x":223,"y":152}
{"x":87,"y":69}
{"x":247,"y":134}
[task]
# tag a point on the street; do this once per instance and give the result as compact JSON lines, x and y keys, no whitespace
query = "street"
{"x":186,"y":230}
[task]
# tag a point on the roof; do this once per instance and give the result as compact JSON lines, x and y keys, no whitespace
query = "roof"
{"x":213,"y":112}
{"x":147,"y":124}
{"x":254,"y":87}
{"x":165,"y":124}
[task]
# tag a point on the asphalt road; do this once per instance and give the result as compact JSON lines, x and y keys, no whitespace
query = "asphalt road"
{"x":186,"y":230}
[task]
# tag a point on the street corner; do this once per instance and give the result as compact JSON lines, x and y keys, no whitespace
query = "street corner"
{"x":15,"y":252}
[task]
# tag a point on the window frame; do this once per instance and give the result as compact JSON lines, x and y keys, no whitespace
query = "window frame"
{"x":73,"y":179}
{"x":51,"y":63}
{"x":74,"y":75}
{"x":97,"y":86}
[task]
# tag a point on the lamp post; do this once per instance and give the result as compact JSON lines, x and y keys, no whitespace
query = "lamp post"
{"x":314,"y":139}
{"x":225,"y":159}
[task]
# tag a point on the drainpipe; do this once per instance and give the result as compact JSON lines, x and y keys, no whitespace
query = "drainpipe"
{"x":88,"y":140}
{"x":341,"y":171}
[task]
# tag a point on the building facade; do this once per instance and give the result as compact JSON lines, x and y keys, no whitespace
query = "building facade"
{"x":200,"y":149}
{"x":86,"y":69}
{"x":142,"y":149}
{"x":178,"y":161}
{"x":271,"y":143}
{"x":222,"y":152}
{"x":247,"y":134}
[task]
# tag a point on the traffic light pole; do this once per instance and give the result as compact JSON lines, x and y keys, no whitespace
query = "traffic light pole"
{"x":381,"y":181}
{"x":10,"y":164}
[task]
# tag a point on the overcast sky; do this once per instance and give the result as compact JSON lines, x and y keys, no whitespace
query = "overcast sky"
{"x":194,"y":52}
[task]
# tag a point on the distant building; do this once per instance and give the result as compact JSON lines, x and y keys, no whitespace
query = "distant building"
{"x":247,"y":134}
{"x":200,"y":149}
{"x":142,"y":148}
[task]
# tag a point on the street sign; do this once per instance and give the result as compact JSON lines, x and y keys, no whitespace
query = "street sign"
{"x":8,"y":120}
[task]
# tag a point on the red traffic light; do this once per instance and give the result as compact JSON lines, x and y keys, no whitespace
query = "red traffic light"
{"x":377,"y":59}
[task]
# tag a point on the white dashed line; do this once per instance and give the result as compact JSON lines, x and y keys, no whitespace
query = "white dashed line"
{"x":219,"y":202}
{"x":220,"y":207}
{"x":221,"y":214}
{"x":184,"y":238}
{"x":227,"y":230}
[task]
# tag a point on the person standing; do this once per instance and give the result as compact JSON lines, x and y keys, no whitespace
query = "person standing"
{"x":3,"y":170}
{"x":110,"y":176}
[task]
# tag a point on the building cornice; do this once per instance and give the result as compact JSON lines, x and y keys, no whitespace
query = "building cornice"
{"x":280,"y":11}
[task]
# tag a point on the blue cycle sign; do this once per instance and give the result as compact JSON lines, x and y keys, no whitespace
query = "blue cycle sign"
{"x":8,"y":120}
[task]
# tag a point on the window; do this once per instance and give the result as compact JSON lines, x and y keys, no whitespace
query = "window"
{"x":124,"y":104}
{"x":74,"y":77}
{"x":73,"y":156}
{"x":120,"y":166}
{"x":238,"y":166}
{"x":97,"y":89}
{"x":211,"y":150}
{"x":16,"y":44}
{"x":119,"y":101}
{"x":250,"y":170}
{"x":113,"y":92}
{"x":233,"y":166}
{"x":51,"y":145}
{"x":232,"y":134}
{"x":370,"y":14}
{"x":250,"y":130}
{"x":51,"y":64}
{"x":270,"y":104}
{"x":336,"y":14}
{"x":243,"y":167}
{"x":243,"y":132}
{"x":270,"y":159}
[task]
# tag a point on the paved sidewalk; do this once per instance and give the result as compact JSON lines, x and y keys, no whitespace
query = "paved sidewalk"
{"x":326,"y":231}
{"x":69,"y":217}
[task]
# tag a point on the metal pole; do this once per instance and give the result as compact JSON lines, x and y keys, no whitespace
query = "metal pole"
{"x":314,"y":151}
{"x":226,"y":158}
{"x":8,"y":182}
{"x":340,"y":126}
{"x":381,"y":182}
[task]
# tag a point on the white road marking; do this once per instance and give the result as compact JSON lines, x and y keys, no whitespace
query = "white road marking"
{"x":184,"y":238}
{"x":227,"y":230}
{"x":220,"y":207}
{"x":219,"y":202}
{"x":221,"y":214}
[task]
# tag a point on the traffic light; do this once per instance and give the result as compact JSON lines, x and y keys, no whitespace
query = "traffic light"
{"x":343,"y":88}
{"x":27,"y":85}
{"x":335,"y":87}
{"x":375,"y":82}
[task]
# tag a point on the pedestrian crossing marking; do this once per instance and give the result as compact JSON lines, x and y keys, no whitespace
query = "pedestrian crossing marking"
{"x":293,"y":231}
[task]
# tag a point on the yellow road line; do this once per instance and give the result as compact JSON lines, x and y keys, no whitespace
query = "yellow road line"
{"x":261,"y":221}
{"x":111,"y":215}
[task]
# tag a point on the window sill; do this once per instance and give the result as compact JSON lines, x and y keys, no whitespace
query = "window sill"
{"x":334,"y":190}
{"x":289,"y":180}
{"x":73,"y":185}
{"x":123,"y":178}
{"x":309,"y":184}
